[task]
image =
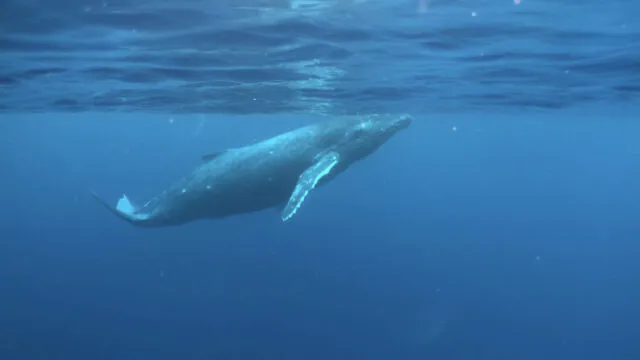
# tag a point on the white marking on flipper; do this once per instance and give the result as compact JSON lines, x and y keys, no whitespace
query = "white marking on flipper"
{"x":308,"y":181}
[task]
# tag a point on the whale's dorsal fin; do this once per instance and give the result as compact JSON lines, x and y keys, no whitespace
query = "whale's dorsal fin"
{"x":213,"y":155}
{"x":308,"y":181}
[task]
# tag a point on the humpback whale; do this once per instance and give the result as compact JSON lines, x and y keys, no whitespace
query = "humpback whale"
{"x":277,"y":172}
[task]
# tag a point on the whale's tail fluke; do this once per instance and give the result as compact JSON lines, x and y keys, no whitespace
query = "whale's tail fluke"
{"x":125,"y":210}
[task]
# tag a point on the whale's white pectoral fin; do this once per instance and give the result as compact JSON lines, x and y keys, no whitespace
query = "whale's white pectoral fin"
{"x":308,"y":181}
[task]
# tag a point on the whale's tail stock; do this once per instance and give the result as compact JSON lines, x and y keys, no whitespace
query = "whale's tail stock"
{"x":124,"y":209}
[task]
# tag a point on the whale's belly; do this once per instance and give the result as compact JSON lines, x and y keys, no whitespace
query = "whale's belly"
{"x":235,"y":184}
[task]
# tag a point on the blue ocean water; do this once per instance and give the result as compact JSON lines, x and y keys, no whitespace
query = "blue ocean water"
{"x":503,"y":224}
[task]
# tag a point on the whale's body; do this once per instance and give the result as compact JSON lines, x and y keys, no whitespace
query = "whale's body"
{"x":280,"y":171}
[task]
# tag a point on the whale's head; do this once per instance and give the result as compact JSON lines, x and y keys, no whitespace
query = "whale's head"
{"x":365,"y":135}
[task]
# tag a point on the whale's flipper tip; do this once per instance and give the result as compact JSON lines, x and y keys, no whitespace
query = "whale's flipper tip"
{"x":124,"y":209}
